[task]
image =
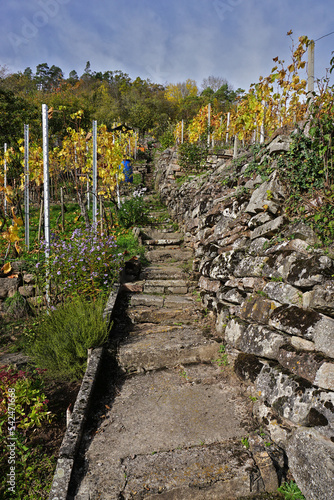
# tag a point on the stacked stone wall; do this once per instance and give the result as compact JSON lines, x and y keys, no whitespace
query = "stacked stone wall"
{"x":270,"y":289}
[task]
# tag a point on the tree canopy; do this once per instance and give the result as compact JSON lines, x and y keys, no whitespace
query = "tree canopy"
{"x":111,"y":97}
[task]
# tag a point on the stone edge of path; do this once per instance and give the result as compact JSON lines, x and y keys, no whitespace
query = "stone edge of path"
{"x":73,"y":433}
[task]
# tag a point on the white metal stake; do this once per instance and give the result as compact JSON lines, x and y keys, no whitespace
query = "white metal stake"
{"x":262,"y":131}
{"x":94,"y":172}
{"x":118,"y":195}
{"x":5,"y":176}
{"x":26,"y":185}
{"x":87,"y":180}
{"x":209,"y":123}
{"x":46,"y":180}
{"x":227,"y":126}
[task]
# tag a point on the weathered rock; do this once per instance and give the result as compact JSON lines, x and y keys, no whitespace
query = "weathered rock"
{"x":209,"y":285}
{"x":295,"y":398}
{"x":8,"y":286}
{"x":308,"y":324}
{"x":247,"y":366}
{"x":254,"y":339}
{"x":311,"y":460}
{"x":307,"y":365}
{"x":26,"y":290}
{"x":257,"y":309}
{"x":233,"y":296}
{"x":303,"y":232}
{"x":268,"y":229}
{"x":279,"y":144}
{"x":321,"y":298}
{"x":259,"y":219}
{"x":267,"y":197}
{"x":257,"y":246}
{"x":250,"y":266}
{"x":264,"y":462}
{"x":283,"y":293}
{"x":309,"y":272}
{"x":248,"y":284}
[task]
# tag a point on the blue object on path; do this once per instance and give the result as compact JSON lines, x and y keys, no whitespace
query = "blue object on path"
{"x":127,"y":171}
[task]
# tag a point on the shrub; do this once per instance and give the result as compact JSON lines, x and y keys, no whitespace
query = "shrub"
{"x":167,"y":140}
{"x":192,"y":157}
{"x":24,"y":390}
{"x":133,"y":211}
{"x":62,"y":337}
{"x":85,"y":263}
{"x":23,"y":408}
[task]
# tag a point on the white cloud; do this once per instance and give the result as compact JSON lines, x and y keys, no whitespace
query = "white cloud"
{"x":164,"y":41}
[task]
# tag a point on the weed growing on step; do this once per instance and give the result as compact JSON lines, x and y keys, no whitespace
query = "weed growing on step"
{"x":222,"y":359}
{"x":245,"y":442}
{"x":290,"y":491}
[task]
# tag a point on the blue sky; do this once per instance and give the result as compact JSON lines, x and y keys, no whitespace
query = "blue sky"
{"x":164,"y":40}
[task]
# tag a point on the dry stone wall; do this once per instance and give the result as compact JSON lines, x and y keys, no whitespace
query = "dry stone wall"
{"x":273,"y":303}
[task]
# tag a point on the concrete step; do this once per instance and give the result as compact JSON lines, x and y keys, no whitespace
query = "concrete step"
{"x":173,"y":434}
{"x":155,"y":348}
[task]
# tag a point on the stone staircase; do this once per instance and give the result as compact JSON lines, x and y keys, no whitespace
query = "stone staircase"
{"x":174,"y":422}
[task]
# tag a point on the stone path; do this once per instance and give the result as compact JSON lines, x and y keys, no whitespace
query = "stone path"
{"x":170,"y":425}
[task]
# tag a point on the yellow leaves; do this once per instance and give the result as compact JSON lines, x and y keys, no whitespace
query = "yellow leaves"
{"x":6,"y":268}
{"x":177,"y":92}
{"x":17,"y":247}
{"x":17,"y":220}
{"x":12,"y":234}
{"x":291,"y":67}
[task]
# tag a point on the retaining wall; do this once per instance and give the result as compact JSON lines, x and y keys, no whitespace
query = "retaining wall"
{"x":271,"y":291}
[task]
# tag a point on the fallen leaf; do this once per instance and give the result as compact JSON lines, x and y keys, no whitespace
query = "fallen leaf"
{"x":6,"y":268}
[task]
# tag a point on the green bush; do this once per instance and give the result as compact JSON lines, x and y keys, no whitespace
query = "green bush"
{"x":133,"y":211}
{"x":192,"y":157}
{"x":62,"y":337}
{"x":167,"y":140}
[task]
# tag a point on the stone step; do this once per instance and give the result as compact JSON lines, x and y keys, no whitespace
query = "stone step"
{"x":161,"y":233}
{"x":162,"y":272}
{"x":153,"y":348}
{"x":166,"y":286}
{"x":158,"y":301}
{"x":173,"y":434}
{"x":163,"y":242}
{"x":169,"y":254}
{"x":164,"y":315}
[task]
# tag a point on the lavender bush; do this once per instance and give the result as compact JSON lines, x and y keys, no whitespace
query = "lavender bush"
{"x":86,"y":263}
